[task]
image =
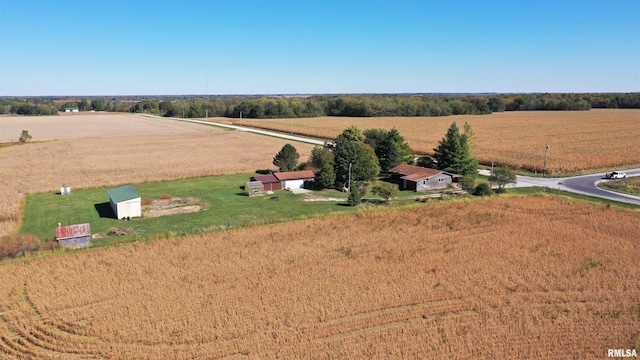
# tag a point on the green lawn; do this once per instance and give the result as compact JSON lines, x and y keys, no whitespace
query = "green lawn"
{"x":228,"y":207}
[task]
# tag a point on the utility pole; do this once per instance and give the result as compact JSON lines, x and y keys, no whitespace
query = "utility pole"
{"x":546,"y":152}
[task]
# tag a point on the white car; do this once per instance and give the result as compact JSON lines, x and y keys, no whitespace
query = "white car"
{"x":616,"y":175}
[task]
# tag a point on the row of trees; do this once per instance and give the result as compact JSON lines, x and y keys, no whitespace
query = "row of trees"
{"x":360,"y":157}
{"x":319,"y":105}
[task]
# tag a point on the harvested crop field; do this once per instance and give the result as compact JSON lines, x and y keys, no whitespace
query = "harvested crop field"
{"x":111,"y":161}
{"x":579,"y":140}
{"x":91,"y":125}
{"x":516,"y":278}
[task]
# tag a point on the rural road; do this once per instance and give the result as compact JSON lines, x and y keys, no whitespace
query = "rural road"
{"x":251,"y":130}
{"x":584,"y":184}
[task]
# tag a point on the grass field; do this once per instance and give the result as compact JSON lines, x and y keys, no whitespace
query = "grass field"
{"x":229,"y":207}
{"x":579,"y":140}
{"x":628,"y":186}
{"x":535,"y":277}
{"x":226,"y":202}
{"x":109,"y":161}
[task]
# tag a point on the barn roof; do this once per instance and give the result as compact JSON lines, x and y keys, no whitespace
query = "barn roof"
{"x":122,"y":193}
{"x":71,"y":231}
{"x":295,"y":175}
{"x":266,"y":179}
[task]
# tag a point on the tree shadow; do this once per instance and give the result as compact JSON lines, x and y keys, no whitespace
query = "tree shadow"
{"x":264,"y":171}
{"x":105,"y":210}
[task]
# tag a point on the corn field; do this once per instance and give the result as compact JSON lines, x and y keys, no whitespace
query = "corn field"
{"x":535,"y":277}
{"x":579,"y":140}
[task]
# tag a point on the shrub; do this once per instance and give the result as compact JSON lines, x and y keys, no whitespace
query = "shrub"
{"x":50,"y":244}
{"x":354,"y":198}
{"x":166,"y":196}
{"x":16,"y":245}
{"x":482,"y":189}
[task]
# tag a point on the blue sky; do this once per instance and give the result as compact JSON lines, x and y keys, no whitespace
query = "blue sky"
{"x":97,"y":47}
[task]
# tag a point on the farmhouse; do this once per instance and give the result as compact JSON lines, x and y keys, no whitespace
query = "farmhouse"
{"x":125,"y":202}
{"x":417,"y":178}
{"x":74,"y":236}
{"x":71,"y":109}
{"x":294,"y":179}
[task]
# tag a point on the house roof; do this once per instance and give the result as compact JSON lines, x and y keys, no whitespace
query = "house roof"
{"x":266,"y":179}
{"x":71,"y":231}
{"x":122,"y":193}
{"x":295,"y":175}
{"x":415,"y":173}
{"x":405,"y":169}
{"x":421,"y":175}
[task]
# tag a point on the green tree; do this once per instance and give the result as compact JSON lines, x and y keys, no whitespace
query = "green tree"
{"x":287,"y":158}
{"x":454,"y":153}
{"x":25,"y":136}
{"x":482,"y":189}
{"x":84,"y":105}
{"x":386,"y":191}
{"x":351,"y":149}
{"x":467,"y":182}
{"x":320,"y":156}
{"x":503,"y":176}
{"x":99,"y":104}
{"x":355,"y":198}
{"x":389,"y":146}
{"x":326,"y":177}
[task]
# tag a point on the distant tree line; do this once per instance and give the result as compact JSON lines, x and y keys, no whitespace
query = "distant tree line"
{"x":324,"y":105}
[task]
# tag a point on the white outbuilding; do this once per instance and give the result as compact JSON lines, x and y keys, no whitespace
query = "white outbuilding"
{"x":125,"y":202}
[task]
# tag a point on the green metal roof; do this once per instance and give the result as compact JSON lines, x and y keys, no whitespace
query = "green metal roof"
{"x":122,"y":193}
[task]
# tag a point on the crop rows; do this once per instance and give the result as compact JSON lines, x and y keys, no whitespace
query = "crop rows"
{"x":579,"y":140}
{"x":501,"y":278}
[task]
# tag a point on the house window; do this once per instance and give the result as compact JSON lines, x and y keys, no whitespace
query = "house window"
{"x":424,"y":182}
{"x":440,"y":180}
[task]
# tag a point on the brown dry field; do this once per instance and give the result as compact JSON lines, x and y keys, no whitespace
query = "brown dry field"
{"x":184,"y":150}
{"x":89,"y":125}
{"x":503,"y":278}
{"x":579,"y":140}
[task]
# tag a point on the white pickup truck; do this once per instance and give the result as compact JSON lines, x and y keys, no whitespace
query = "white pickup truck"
{"x":616,"y":175}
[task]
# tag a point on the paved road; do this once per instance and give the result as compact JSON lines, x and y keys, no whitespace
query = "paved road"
{"x":251,"y":130}
{"x":585,"y":184}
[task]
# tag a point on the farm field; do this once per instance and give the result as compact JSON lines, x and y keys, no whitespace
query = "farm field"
{"x":90,"y":125}
{"x":535,"y":277}
{"x":117,"y":160}
{"x":579,"y":140}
